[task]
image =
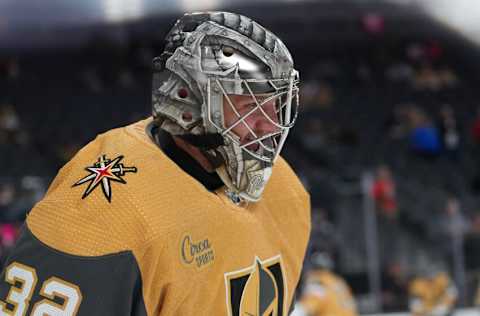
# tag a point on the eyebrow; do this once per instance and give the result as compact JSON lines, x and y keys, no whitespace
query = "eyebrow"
{"x":260,"y":99}
{"x":245,"y":103}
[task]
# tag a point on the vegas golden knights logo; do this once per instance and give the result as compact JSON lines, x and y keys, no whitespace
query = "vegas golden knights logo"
{"x":258,"y":290}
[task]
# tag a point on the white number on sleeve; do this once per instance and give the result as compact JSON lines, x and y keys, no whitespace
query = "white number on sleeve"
{"x":55,"y":287}
{"x":19,"y":297}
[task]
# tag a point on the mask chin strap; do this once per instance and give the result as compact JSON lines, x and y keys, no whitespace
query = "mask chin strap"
{"x":207,"y":144}
{"x":205,"y":141}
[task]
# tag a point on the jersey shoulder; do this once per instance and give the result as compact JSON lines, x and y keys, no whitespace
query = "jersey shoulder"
{"x":101,"y":201}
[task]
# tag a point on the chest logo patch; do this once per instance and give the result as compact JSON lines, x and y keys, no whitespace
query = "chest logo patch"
{"x":102,"y":173}
{"x":259,"y":290}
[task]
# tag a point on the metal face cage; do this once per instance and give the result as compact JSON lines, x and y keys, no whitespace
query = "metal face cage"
{"x":276,"y":100}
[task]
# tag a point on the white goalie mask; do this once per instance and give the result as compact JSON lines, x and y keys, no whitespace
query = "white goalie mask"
{"x":228,"y":85}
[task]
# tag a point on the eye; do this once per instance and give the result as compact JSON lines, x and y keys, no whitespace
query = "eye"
{"x":227,"y":51}
{"x":248,"y":106}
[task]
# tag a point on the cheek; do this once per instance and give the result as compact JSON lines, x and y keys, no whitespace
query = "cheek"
{"x":241,"y":130}
{"x":229,"y":117}
{"x":270,"y":110}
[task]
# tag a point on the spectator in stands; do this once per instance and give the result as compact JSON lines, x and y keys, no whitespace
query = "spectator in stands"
{"x":448,"y":226}
{"x":7,"y":192}
{"x":450,"y":132}
{"x":9,"y":123}
{"x":427,"y":79}
{"x":384,"y":192}
{"x":7,"y":195}
{"x":454,"y":221}
{"x":425,"y":140}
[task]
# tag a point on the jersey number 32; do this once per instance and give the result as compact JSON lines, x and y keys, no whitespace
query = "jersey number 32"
{"x":23,"y":280}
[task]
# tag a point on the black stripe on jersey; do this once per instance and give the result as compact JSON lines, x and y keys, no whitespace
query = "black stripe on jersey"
{"x":110,"y":285}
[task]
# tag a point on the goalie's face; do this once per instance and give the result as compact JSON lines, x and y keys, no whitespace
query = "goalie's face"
{"x":252,"y":121}
{"x":253,"y":115}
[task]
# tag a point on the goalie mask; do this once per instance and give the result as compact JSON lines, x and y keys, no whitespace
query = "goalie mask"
{"x":227,"y":85}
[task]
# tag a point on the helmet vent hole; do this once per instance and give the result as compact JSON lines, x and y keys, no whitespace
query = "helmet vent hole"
{"x":187,"y":117}
{"x":227,"y":51}
{"x":182,"y":93}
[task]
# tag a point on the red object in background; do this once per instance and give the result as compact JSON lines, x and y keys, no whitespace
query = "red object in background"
{"x":476,"y":131}
{"x":434,"y":51}
{"x":383,"y":192}
{"x":373,"y":23}
{"x":8,"y":233}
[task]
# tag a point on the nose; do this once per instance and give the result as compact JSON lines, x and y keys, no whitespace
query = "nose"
{"x":261,"y":124}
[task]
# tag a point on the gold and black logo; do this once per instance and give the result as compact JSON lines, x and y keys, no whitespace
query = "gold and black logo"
{"x":103,"y":172}
{"x":259,"y":290}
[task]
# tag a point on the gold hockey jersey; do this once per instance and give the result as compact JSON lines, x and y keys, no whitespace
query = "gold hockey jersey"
{"x":327,"y":294}
{"x":124,"y":231}
{"x":432,"y":294}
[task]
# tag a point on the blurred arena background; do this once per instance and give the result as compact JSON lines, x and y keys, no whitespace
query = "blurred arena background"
{"x":388,"y":141}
